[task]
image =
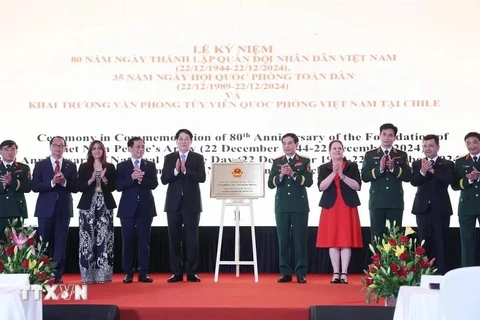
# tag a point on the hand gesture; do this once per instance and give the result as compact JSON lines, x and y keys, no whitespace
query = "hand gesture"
{"x":283,"y":171}
{"x":6,"y":179}
{"x":102,"y":173}
{"x":288,"y":170}
{"x":178,"y":165}
{"x":182,"y":166}
{"x":383,"y":163}
{"x":426,"y":166}
{"x":389,"y":163}
{"x":473,"y":175}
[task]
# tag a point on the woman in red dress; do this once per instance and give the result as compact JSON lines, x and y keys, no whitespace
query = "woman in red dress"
{"x":339,"y":228}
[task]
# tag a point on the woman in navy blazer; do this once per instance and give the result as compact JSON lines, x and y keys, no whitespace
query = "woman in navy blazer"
{"x":339,"y":228}
{"x":96,"y":182}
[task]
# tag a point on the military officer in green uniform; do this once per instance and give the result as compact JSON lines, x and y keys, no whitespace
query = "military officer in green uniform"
{"x":15,"y":181}
{"x":291,"y":175}
{"x":467,"y":169}
{"x":385,"y":168}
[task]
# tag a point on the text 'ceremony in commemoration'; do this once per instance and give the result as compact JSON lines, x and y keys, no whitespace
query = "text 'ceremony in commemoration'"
{"x":244,"y":160}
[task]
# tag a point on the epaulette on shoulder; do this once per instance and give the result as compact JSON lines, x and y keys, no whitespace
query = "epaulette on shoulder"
{"x":466,"y":156}
{"x":278,"y":158}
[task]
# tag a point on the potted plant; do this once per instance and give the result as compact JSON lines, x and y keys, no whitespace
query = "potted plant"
{"x":22,"y":253}
{"x":397,"y":261}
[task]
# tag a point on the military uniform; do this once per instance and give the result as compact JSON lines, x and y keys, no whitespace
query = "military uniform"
{"x":12,"y":198}
{"x":386,"y":191}
{"x":291,"y":211}
{"x":468,"y":206}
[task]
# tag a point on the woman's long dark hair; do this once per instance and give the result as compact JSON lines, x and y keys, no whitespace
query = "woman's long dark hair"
{"x":90,"y":159}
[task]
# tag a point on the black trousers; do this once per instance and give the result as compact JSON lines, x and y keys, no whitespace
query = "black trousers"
{"x":433,"y":228}
{"x":183,"y":233}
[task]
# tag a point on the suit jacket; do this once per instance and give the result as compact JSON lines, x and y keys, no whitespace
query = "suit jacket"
{"x":469,"y":202}
{"x":12,"y":198}
{"x":329,"y":196}
{"x":432,"y":189}
{"x":58,"y":196}
{"x":84,"y":174}
{"x":187,"y":183}
{"x":386,"y":190}
{"x":134,"y":193}
{"x":291,"y":194}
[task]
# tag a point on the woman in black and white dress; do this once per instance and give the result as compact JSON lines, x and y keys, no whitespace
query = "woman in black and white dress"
{"x":96,"y":180}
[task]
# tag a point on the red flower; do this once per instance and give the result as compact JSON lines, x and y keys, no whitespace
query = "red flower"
{"x":45,"y":260}
{"x":10,"y":250}
{"x":11,"y":235}
{"x":25,"y":264}
{"x":376,"y":257}
{"x":371,"y":268}
{"x":404,"y":239}
{"x":31,"y":242}
{"x":368,"y":281}
{"x":403,"y":256}
{"x":1,"y":266}
{"x":423,"y":263}
{"x":402,"y":272}
{"x":377,"y":264}
{"x":419,"y":251}
{"x":394,"y":267}
{"x":413,"y":270}
{"x":392,"y":242}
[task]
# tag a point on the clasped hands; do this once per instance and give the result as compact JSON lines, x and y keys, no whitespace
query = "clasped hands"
{"x":180,"y":166}
{"x":6,"y":179}
{"x":102,"y":176}
{"x":474,"y":175}
{"x":426,"y":167}
{"x":137,"y":174}
{"x":286,"y":170}
{"x":58,"y":178}
{"x":386,"y":162}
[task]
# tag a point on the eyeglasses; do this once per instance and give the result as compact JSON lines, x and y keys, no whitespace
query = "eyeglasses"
{"x":58,"y":145}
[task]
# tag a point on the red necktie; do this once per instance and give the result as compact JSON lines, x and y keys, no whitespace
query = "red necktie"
{"x":57,"y":166}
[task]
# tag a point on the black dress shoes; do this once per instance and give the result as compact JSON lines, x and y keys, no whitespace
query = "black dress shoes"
{"x":193,"y":278}
{"x":283,"y":279}
{"x":175,"y":278}
{"x":58,"y":281}
{"x":145,"y":278}
{"x":302,"y":279}
{"x":128,"y":279}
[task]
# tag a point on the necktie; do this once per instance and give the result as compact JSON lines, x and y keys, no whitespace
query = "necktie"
{"x":386,"y":152}
{"x":136,"y":164}
{"x":475,"y":159}
{"x":8,"y":166}
{"x":290,"y":160}
{"x":183,"y":156}
{"x":57,"y":166}
{"x":432,"y":162}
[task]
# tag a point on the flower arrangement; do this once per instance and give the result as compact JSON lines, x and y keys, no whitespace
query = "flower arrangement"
{"x":398,"y":262}
{"x":22,"y":254}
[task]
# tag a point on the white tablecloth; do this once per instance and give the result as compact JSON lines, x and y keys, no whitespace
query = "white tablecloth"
{"x":17,"y":308}
{"x":416,"y":303}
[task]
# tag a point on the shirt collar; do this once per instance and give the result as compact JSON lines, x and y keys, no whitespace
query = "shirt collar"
{"x":434,"y":159}
{"x":52,"y":160}
{"x":186,"y":154}
{"x":478,"y":156}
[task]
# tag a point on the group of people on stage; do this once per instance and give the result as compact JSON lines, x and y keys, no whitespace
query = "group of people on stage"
{"x":385,"y":168}
{"x":56,"y":178}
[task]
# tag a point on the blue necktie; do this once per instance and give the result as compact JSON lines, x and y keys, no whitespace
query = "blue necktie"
{"x":432,"y":162}
{"x":182,"y":156}
{"x":136,"y":164}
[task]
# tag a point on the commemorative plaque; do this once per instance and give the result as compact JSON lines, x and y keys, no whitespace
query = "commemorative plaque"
{"x":237,"y":180}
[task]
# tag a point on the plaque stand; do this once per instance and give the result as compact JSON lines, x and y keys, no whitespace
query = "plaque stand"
{"x":237,"y":204}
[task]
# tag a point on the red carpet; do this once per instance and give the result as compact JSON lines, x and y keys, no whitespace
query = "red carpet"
{"x":230,"y":298}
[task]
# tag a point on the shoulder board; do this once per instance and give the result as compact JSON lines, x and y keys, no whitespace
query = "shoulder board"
{"x":302,"y":156}
{"x":464,"y":156}
{"x":279,"y":158}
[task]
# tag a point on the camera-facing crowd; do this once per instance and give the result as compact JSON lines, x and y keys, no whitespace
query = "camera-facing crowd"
{"x":384,"y":168}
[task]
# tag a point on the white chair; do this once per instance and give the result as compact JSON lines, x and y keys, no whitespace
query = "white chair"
{"x":460,"y":294}
{"x":426,"y":280}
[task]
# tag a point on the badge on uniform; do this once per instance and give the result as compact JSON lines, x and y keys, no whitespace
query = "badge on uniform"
{"x":308,"y":167}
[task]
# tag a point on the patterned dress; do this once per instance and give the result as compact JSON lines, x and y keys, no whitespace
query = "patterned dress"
{"x":96,"y":240}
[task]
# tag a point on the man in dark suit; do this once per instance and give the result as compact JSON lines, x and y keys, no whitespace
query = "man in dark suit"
{"x":467,"y":179}
{"x":432,"y":175}
{"x":386,"y":168}
{"x":183,"y":171}
{"x":136,"y":178}
{"x":55,"y":179}
{"x":291,"y":175}
{"x":15,"y":181}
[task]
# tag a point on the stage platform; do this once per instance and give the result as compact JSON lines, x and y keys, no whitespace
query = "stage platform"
{"x":230,"y":298}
